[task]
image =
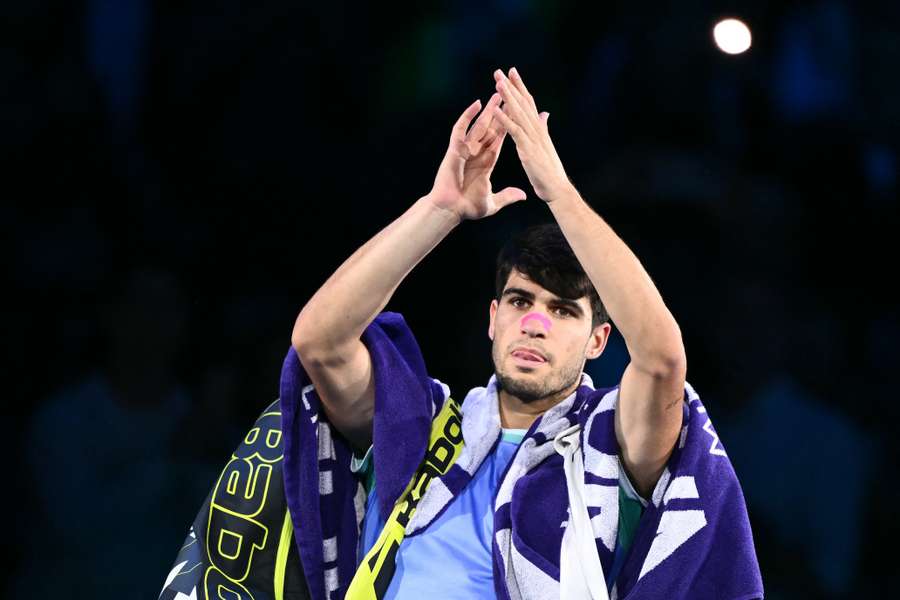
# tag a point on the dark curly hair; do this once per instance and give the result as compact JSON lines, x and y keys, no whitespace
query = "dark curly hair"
{"x":542,"y":254}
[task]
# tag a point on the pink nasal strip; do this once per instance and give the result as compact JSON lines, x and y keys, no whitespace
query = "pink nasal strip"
{"x":533,"y":315}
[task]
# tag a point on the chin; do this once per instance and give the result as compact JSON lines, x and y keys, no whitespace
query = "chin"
{"x":530,"y":384}
{"x":526,"y":389}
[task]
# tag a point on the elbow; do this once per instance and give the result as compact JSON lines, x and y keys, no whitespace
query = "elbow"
{"x":299,"y":338}
{"x":304,"y":338}
{"x":315,"y":355}
{"x":674,"y":360}
{"x":319,"y":331}
{"x":664,"y":362}
{"x":668,"y":358}
{"x":307,"y":346}
{"x":299,"y":344}
{"x":307,"y":338}
{"x":317,"y":349}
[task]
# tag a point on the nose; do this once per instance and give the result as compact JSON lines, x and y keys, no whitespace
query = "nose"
{"x":535,"y":324}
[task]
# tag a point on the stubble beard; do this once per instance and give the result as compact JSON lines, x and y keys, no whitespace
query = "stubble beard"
{"x":528,"y":389}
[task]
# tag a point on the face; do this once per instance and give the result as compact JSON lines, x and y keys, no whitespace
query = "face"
{"x":541,"y":341}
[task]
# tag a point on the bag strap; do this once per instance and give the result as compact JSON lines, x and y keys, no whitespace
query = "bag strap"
{"x":374,"y":574}
{"x":580,"y":570}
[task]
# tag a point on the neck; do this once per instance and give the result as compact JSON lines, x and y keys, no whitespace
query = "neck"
{"x":516,"y":414}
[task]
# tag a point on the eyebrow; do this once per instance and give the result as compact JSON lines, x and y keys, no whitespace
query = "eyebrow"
{"x":556,"y":301}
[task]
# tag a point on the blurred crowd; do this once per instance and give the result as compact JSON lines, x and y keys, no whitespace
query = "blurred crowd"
{"x":181,"y":177}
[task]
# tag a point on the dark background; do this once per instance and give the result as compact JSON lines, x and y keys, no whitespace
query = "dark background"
{"x":180,"y":177}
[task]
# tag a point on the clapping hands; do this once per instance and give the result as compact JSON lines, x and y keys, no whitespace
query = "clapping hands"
{"x":528,"y":128}
{"x":463,"y":185}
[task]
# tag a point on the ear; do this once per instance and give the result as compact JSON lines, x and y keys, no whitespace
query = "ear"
{"x":597,"y":341}
{"x":493,"y":312}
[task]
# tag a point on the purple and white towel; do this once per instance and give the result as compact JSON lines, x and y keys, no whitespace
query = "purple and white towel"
{"x":693,"y":540}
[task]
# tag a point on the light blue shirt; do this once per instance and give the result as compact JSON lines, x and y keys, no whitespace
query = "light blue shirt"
{"x":453,"y":555}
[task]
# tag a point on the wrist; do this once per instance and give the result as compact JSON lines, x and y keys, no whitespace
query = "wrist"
{"x":562,"y":193}
{"x":439,"y":210}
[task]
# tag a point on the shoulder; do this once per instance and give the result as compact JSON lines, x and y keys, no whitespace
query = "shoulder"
{"x":598,"y":400}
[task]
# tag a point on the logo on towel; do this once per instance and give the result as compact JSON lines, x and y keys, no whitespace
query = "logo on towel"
{"x":714,"y":448}
{"x":675,"y":526}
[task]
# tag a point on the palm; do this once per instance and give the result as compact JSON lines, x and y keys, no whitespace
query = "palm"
{"x":471,"y":182}
{"x":463,"y":182}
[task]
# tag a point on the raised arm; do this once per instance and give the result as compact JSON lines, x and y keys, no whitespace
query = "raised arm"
{"x":327,"y":332}
{"x":648,"y":417}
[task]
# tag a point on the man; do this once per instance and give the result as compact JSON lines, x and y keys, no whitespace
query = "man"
{"x":543,"y":327}
{"x":538,"y":485}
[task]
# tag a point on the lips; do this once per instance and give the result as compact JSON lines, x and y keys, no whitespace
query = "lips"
{"x":529,"y":355}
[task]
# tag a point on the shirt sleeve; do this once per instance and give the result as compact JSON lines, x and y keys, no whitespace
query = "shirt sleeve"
{"x":628,"y":488}
{"x":364,"y":469}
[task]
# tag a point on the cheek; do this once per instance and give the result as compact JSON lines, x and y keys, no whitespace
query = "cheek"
{"x":499,"y":331}
{"x":574,"y":345}
{"x":505,"y":330}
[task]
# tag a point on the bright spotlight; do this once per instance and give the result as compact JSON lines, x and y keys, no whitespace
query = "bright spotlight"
{"x":732,"y":36}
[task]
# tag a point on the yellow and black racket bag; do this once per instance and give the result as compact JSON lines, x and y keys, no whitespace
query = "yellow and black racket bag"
{"x":241,"y":545}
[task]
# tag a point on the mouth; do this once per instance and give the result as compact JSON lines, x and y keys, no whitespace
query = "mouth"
{"x":528,"y":356}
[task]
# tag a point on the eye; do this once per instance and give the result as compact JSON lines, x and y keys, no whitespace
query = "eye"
{"x":518,"y":302}
{"x":564,"y":312}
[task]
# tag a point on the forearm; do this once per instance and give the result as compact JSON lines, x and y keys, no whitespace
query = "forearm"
{"x":629,"y":295}
{"x":350,"y":299}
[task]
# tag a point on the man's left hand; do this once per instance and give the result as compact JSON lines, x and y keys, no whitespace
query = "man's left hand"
{"x":529,"y":131}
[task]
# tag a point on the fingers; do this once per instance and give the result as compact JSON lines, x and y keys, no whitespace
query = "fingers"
{"x":520,"y":87}
{"x":480,"y":133}
{"x":510,"y":95}
{"x":496,"y":128}
{"x":490,"y":151}
{"x":517,"y":133}
{"x":497,"y":142}
{"x":507,"y":196}
{"x":462,"y":123}
{"x":515,"y":106}
{"x":493,"y":139}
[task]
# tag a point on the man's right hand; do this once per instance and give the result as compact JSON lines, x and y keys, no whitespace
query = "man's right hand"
{"x":463,"y":182}
{"x":327,"y":334}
